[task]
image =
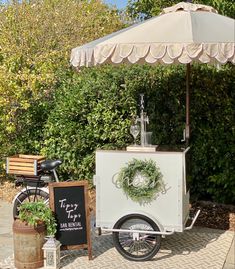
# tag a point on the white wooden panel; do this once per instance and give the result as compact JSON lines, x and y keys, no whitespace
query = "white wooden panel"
{"x":112,"y":203}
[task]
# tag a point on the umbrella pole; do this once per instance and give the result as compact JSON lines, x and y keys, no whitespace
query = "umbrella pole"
{"x":187,"y":127}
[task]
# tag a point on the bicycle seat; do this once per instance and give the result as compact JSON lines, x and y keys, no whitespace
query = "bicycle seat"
{"x":49,"y":165}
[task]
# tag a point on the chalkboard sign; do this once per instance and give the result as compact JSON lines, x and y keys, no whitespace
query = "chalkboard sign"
{"x":69,"y":201}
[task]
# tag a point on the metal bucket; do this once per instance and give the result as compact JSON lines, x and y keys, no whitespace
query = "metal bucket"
{"x":28,"y":243}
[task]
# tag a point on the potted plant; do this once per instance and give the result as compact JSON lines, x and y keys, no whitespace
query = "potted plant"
{"x":35,"y":213}
{"x":34,"y":223}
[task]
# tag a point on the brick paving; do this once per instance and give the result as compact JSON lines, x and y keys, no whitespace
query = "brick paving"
{"x":197,"y":249}
{"x":200,"y":248}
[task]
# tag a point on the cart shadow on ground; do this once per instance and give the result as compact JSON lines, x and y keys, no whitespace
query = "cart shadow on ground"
{"x":182,"y":244}
{"x":187,"y":242}
{"x":100,"y":245}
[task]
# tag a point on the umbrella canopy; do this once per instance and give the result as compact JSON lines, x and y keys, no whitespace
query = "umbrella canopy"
{"x":183,"y":33}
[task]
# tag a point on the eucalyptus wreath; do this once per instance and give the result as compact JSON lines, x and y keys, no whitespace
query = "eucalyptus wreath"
{"x":141,"y":180}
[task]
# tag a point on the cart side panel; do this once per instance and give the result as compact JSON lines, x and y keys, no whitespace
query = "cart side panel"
{"x":112,"y":203}
{"x":185,"y":190}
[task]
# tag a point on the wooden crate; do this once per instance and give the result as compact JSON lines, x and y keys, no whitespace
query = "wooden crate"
{"x":24,"y":164}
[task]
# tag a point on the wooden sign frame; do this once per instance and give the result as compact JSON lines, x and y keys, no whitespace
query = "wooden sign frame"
{"x":69,"y":184}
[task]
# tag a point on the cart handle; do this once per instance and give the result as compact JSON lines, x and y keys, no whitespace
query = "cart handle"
{"x":193,"y":221}
{"x":186,"y":150}
{"x":138,"y":231}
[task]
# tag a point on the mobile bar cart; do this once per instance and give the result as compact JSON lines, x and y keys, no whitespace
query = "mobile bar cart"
{"x":131,"y":221}
{"x":138,"y":226}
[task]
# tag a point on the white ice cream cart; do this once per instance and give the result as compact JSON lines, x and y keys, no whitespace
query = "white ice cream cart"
{"x":138,"y":227}
{"x":142,"y":194}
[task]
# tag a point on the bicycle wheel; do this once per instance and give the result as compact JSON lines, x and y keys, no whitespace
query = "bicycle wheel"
{"x":136,"y":246}
{"x":29,"y":195}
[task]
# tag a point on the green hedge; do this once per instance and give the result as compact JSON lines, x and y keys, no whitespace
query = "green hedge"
{"x":213,"y":141}
{"x":94,"y":108}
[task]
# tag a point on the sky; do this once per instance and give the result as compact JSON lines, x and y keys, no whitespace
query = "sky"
{"x":118,"y":3}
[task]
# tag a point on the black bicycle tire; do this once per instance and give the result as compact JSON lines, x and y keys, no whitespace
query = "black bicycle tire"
{"x":24,"y":195}
{"x":126,"y":254}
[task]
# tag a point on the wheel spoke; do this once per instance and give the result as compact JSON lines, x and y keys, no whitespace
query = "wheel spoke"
{"x":126,"y":242}
{"x":148,"y":246}
{"x":151,"y":241}
{"x":132,"y":248}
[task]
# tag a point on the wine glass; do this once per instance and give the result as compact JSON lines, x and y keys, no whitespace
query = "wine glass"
{"x":135,"y":130}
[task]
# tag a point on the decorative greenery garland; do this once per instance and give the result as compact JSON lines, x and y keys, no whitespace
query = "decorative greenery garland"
{"x":140,"y":180}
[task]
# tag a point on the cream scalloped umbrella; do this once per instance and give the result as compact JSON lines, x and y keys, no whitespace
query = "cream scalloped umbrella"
{"x":181,"y":34}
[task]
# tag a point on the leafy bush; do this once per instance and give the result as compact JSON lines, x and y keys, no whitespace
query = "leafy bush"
{"x":94,"y":110}
{"x":36,"y":40}
{"x":213,"y":141}
{"x":144,"y":9}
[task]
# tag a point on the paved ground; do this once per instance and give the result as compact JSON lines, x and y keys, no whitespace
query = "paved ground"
{"x":200,"y":248}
